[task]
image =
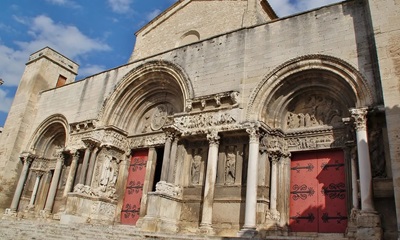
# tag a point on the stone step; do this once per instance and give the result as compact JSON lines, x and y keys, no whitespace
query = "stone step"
{"x":17,"y":229}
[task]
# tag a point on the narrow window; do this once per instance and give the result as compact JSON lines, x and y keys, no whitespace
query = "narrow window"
{"x":61,"y":81}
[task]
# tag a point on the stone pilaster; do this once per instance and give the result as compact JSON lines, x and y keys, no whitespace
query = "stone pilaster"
{"x":166,"y":156}
{"x":273,"y":213}
{"x":39,"y":175}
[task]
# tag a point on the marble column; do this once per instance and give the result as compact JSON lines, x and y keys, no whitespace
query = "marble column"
{"x":54,"y":183}
{"x":172,"y":160}
{"x":364,"y":163}
{"x":71,"y":175}
{"x":251,"y":186}
{"x":35,"y":188}
{"x":274,"y":214}
{"x":82,"y":176}
{"x":211,"y":175}
{"x":92,"y":162}
{"x":166,"y":156}
{"x":27,"y":160}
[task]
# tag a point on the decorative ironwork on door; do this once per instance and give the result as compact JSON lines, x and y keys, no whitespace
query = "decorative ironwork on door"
{"x":318,"y":192}
{"x":134,"y":188}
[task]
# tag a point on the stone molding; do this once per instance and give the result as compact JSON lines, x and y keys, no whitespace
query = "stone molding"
{"x":212,"y":101}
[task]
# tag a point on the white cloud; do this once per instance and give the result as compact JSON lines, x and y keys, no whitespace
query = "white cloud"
{"x":89,"y":70}
{"x":153,"y":14}
{"x":5,"y":102}
{"x":120,"y":6}
{"x":66,"y":3}
{"x":287,"y":7}
{"x":66,"y":39}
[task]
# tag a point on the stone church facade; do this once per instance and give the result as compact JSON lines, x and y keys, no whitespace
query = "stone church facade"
{"x":226,"y":121}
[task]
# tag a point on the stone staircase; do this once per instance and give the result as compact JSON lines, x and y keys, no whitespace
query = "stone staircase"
{"x":23,"y":229}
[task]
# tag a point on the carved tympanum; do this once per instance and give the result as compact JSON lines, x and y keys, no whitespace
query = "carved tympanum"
{"x":315,"y":110}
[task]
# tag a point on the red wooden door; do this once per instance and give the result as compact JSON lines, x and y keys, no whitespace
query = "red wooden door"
{"x":318,"y":192}
{"x":134,"y":188}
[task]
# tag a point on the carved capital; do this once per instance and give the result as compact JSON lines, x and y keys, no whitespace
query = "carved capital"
{"x":27,"y":157}
{"x":213,"y":137}
{"x":275,"y":157}
{"x":254,"y":133}
{"x":359,"y":116}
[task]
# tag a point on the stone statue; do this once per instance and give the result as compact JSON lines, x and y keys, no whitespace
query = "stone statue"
{"x":196,"y":166}
{"x":109,"y":173}
{"x":230,"y":166}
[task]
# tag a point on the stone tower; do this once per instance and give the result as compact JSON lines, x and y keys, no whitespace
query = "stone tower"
{"x":45,"y":69}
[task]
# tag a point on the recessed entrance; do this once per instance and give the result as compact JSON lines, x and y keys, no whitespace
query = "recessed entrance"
{"x":318,"y":192}
{"x":134,"y":188}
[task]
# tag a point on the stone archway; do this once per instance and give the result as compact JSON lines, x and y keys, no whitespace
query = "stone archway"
{"x":42,"y":193}
{"x":306,"y":99}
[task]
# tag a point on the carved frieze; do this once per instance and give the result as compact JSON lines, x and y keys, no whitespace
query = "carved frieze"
{"x":169,"y":189}
{"x":43,"y":164}
{"x":109,"y":137}
{"x":319,"y":140}
{"x":147,"y":140}
{"x":203,"y":121}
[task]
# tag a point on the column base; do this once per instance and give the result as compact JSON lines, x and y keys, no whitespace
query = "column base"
{"x":45,"y":214}
{"x":247,"y":232}
{"x":206,"y":229}
{"x":368,"y":226}
{"x":10,"y":213}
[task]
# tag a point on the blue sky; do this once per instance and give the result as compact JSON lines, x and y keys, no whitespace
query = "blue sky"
{"x":97,"y":34}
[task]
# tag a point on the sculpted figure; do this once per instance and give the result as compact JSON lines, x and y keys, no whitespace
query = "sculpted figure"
{"x":230,"y":167}
{"x":108,"y":174}
{"x":195,"y":171}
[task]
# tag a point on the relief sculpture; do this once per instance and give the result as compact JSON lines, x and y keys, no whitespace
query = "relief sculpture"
{"x":230,"y":166}
{"x":315,"y":110}
{"x":196,"y":166}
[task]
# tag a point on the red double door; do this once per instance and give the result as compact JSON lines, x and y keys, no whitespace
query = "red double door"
{"x":134,"y":188}
{"x":318,"y":192}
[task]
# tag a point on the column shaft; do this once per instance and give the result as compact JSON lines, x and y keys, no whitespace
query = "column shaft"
{"x":208,"y":201}
{"x":92,"y":162}
{"x":251,"y":187}
{"x":71,"y":174}
{"x":35,"y":189}
{"x":274,"y":185}
{"x":21,"y":182}
{"x":354,"y":182}
{"x":172,"y":160}
{"x":166,"y":157}
{"x":82,"y":176}
{"x":54,"y":183}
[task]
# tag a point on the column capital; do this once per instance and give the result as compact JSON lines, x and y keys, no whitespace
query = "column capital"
{"x":27,"y":157}
{"x":213,"y":137}
{"x":275,"y":157}
{"x":254,"y":132}
{"x":359,"y":116}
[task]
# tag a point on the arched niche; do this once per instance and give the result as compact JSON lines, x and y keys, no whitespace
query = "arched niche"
{"x":188,"y":38}
{"x":50,"y":136}
{"x":148,"y":93}
{"x":327,"y":82}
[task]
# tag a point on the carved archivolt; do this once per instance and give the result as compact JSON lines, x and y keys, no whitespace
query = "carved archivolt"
{"x":302,"y":76}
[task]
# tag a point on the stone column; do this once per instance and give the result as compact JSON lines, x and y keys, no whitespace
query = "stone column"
{"x":82,"y":176}
{"x":251,"y":186}
{"x":92,"y":161}
{"x":166,"y":156}
{"x":71,"y":175}
{"x":27,"y":160}
{"x":274,"y":214}
{"x":208,"y":200}
{"x":54,"y":183}
{"x":35,"y":188}
{"x":364,"y":163}
{"x":354,"y":180}
{"x":172,"y":160}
